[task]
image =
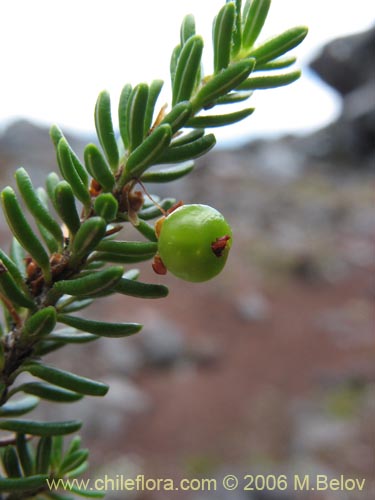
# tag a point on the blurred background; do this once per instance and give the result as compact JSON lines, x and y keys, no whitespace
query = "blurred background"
{"x":270,"y":367}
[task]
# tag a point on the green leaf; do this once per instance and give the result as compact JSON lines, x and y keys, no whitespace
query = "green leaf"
{"x":70,"y":174}
{"x":53,"y":245}
{"x":279,"y":45}
{"x":20,"y":407}
{"x":17,"y":254}
{"x":98,"y":167}
{"x":122,"y":118}
{"x":246,"y":11}
{"x":51,"y":184}
{"x":104,"y":129}
{"x":222,"y":36}
{"x":88,"y":236}
{"x":41,"y":428}
{"x":127,"y":247}
{"x":187,"y":29}
{"x":219,"y":85}
{"x":24,"y":455}
{"x":80,"y":169}
{"x":237,"y":31}
{"x":168,"y":174}
{"x":173,"y":63}
{"x":23,"y":483}
{"x":269,"y":82}
{"x":188,"y":151}
{"x":40,"y":324}
{"x":49,"y":240}
{"x":72,"y":338}
{"x":77,"y":305}
{"x":35,"y":206}
{"x":283,"y":62}
{"x":188,"y":66}
{"x":93,"y":266}
{"x":55,"y":134}
{"x":73,"y":460}
{"x":220,"y":120}
{"x":45,"y":347}
{"x":146,"y":153}
{"x":12,"y":290}
{"x":153,"y":94}
{"x":100,"y":328}
{"x":155,"y":211}
{"x":234,"y":97}
{"x":66,"y":380}
{"x":146,"y":230}
{"x":50,"y":392}
{"x":106,"y":206}
{"x":23,"y":232}
{"x":78,"y":471}
{"x":191,"y":136}
{"x":57,"y":451}
{"x":117,"y":258}
{"x":92,"y":284}
{"x":10,"y":462}
{"x":74,"y":445}
{"x":136,"y":115}
{"x":66,"y":206}
{"x":138,"y":289}
{"x":178,"y":116}
{"x":254,"y":21}
{"x":43,"y":454}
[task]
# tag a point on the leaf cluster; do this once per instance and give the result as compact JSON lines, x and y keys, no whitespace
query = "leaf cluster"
{"x":66,"y":254}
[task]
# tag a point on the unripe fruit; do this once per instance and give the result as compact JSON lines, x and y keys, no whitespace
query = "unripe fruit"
{"x":194,"y":242}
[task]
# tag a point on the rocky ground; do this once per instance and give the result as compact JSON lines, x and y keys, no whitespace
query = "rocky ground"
{"x":270,"y":367}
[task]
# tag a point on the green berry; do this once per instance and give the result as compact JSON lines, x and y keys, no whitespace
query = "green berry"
{"x":194,"y":242}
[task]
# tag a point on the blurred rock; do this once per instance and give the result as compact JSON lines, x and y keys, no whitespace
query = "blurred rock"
{"x":279,"y":159}
{"x":162,"y":342}
{"x":205,"y":352}
{"x":347,"y":64}
{"x":253,"y":307}
{"x":122,"y":355}
{"x":107,"y":416}
{"x":350,"y":326}
{"x":315,"y":433}
{"x":29,"y":145}
{"x":335,"y":429}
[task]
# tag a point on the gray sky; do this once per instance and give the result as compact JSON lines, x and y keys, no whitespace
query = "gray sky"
{"x":57,"y":56}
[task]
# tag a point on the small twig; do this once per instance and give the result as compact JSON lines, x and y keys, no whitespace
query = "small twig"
{"x":159,"y":118}
{"x":164,"y":212}
{"x":114,"y":230}
{"x":11,"y":309}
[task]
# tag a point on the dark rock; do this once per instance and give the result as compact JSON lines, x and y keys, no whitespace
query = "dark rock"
{"x":347,"y":63}
{"x":351,"y":139}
